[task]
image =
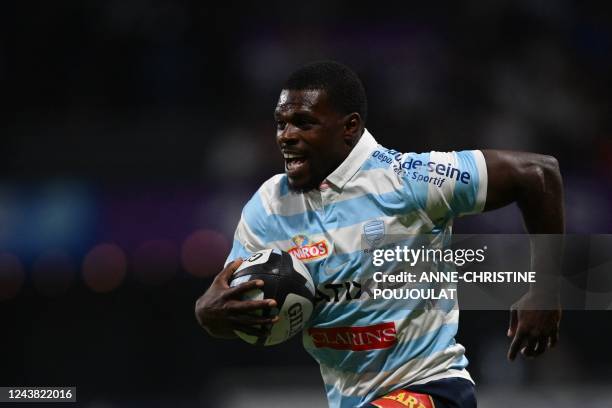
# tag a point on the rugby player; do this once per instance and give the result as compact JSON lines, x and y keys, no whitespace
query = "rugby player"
{"x":340,"y":184}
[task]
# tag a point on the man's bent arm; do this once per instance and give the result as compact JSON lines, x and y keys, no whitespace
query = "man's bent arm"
{"x":220,"y":310}
{"x":534,"y":182}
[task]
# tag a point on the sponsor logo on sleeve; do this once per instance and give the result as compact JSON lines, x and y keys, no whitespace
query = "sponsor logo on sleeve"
{"x":422,"y":171}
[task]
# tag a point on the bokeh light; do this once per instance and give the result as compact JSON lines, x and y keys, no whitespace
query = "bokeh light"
{"x":11,"y":275}
{"x":156,"y":262}
{"x":104,"y":267}
{"x":203,"y":252}
{"x":53,"y":273}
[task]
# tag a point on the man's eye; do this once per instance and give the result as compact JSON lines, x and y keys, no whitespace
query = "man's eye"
{"x":303,"y":124}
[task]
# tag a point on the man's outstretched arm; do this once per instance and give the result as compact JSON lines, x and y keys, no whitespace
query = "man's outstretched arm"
{"x":534,"y":182}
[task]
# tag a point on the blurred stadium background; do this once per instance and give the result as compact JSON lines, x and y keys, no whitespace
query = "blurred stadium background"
{"x":133,"y":133}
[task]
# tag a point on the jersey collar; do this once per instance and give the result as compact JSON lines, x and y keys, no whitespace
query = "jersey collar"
{"x":354,"y":160}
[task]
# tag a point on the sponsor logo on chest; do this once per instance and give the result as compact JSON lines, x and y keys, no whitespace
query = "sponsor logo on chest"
{"x":305,"y":250}
{"x":378,"y":336}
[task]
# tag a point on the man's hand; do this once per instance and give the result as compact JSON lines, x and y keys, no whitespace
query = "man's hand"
{"x":534,"y":325}
{"x":220,"y":311}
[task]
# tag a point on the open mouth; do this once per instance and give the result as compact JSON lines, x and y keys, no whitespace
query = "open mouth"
{"x":294,"y":163}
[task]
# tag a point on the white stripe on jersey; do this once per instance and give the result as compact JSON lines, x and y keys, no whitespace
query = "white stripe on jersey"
{"x":439,"y":198}
{"x":244,"y":235}
{"x":414,"y":371}
{"x":483,"y":181}
{"x":349,"y":239}
{"x":374,"y":181}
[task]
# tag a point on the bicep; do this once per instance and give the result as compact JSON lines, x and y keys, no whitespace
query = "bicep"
{"x":502,"y":170}
{"x":514,"y":176}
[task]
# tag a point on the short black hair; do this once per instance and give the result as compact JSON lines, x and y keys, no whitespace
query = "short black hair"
{"x":342,"y":85}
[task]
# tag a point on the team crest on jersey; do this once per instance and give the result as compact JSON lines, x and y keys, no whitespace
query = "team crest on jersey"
{"x":374,"y":232}
{"x":305,"y":250}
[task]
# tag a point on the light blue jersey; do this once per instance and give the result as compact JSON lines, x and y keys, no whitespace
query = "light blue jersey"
{"x":365,"y":346}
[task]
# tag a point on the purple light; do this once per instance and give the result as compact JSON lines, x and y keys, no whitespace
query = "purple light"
{"x":104,"y":268}
{"x":203,"y":252}
{"x":156,"y":261}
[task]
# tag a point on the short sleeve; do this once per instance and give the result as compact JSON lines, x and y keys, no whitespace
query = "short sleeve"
{"x":250,"y":232}
{"x":447,"y":184}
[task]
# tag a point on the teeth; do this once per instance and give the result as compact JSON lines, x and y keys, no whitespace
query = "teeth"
{"x":291,"y":156}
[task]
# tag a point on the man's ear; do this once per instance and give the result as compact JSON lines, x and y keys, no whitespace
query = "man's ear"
{"x":352,"y":128}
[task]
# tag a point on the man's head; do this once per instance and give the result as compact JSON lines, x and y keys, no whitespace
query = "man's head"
{"x":320,"y":116}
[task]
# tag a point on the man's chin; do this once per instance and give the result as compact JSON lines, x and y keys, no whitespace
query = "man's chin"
{"x":301,"y":186}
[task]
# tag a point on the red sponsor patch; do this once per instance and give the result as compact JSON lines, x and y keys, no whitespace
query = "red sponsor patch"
{"x":379,"y":336}
{"x":310,"y":252}
{"x":404,"y":398}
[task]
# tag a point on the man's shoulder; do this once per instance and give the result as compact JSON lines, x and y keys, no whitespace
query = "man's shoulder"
{"x":267,"y":196}
{"x":274,"y":187}
{"x":390,"y":154}
{"x":390,"y":160}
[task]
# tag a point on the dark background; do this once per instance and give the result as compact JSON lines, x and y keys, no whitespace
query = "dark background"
{"x":133,"y":132}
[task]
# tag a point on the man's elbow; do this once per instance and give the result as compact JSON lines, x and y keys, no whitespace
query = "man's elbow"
{"x":550,"y":164}
{"x":550,"y":167}
{"x":543,"y":171}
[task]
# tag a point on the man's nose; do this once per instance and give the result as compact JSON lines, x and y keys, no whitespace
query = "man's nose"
{"x":288,"y":136}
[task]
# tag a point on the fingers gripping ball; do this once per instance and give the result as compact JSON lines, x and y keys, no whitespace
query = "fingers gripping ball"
{"x":287,"y":281}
